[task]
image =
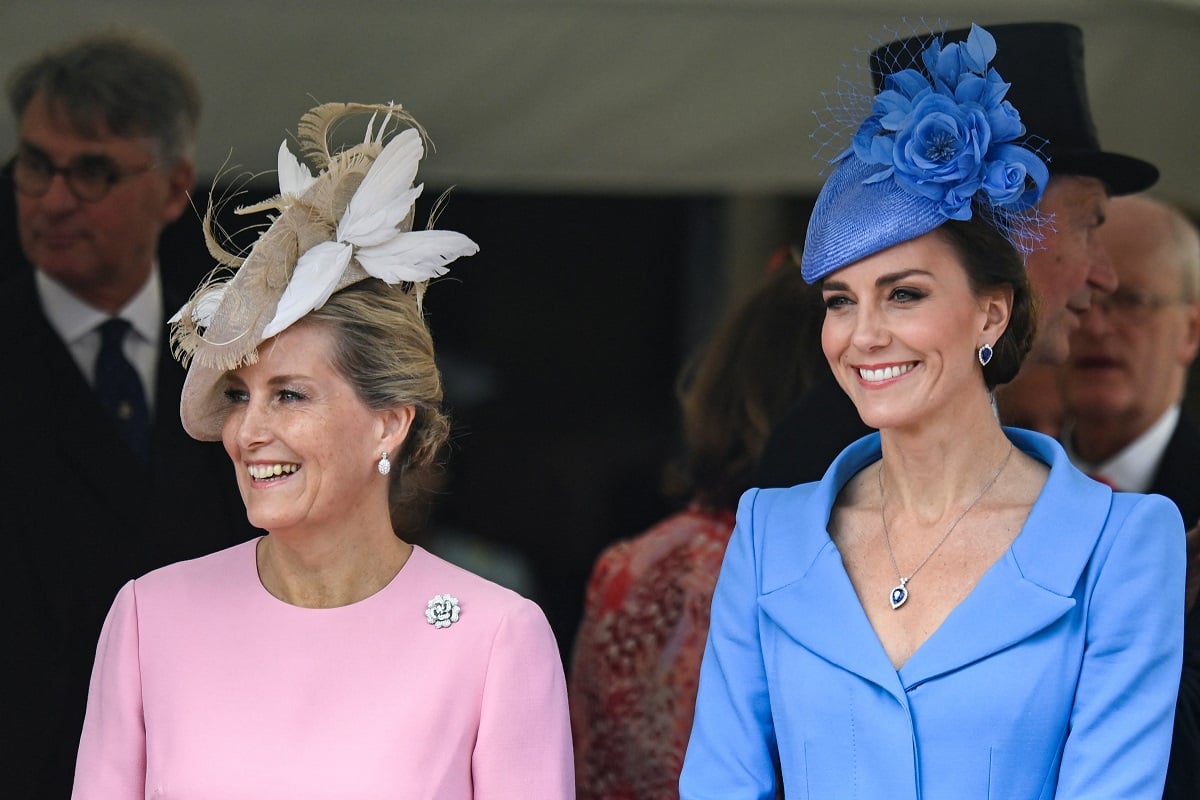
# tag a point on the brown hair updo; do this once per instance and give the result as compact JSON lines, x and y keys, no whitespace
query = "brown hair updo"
{"x":383,"y":347}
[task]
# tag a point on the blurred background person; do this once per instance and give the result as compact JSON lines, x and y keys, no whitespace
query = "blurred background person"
{"x":636,"y":658}
{"x":329,"y":657}
{"x":1123,"y":389}
{"x":103,"y":483}
{"x":1034,"y":401}
{"x":1125,"y":379}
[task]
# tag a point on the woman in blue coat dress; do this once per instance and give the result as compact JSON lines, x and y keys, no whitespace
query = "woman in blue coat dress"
{"x":953,"y":611}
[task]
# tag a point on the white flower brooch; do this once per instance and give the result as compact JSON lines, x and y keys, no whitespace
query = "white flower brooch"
{"x":442,"y":611}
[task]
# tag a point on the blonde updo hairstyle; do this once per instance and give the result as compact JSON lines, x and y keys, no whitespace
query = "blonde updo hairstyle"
{"x":383,"y":347}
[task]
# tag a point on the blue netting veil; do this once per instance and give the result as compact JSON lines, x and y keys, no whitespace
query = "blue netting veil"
{"x":921,"y":133}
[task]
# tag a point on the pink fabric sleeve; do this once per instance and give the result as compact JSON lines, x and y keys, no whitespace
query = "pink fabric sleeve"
{"x":524,"y":745}
{"x":112,"y":749}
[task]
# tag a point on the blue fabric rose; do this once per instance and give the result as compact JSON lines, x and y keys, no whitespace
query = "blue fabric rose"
{"x":941,"y":155}
{"x":948,"y":134}
{"x":1014,"y":178}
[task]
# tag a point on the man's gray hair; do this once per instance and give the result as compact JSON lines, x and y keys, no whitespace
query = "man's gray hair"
{"x":122,"y":82}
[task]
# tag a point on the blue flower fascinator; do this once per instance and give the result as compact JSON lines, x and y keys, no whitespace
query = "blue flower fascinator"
{"x":940,"y":143}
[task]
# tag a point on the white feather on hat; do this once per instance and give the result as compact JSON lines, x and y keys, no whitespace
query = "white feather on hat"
{"x":350,"y":221}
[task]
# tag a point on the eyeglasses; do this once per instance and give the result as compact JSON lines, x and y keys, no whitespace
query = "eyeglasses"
{"x":88,"y":177}
{"x":1132,"y":304}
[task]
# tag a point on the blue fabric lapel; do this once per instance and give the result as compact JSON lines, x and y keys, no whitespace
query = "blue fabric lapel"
{"x":833,"y":625}
{"x":805,"y":589}
{"x":1027,"y":590}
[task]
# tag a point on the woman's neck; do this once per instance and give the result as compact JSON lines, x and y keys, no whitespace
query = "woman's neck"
{"x":931,"y":470}
{"x":329,"y":571}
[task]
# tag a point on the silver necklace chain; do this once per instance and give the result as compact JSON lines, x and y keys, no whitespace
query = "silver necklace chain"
{"x":899,"y":594}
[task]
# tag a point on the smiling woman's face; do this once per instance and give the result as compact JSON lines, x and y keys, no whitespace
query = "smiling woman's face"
{"x":902,"y":330}
{"x":303,"y":444}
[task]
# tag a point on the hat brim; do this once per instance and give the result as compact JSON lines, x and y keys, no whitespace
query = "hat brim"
{"x":201,"y":409}
{"x":1121,"y":174}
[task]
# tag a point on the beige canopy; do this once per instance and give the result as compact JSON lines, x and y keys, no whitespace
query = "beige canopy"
{"x":610,"y":95}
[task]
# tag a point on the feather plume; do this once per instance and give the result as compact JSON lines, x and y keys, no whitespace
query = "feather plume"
{"x":294,"y":178}
{"x":342,"y":217}
{"x":339,"y":188}
{"x":369,"y":136}
{"x":313,"y":132}
{"x":315,"y":129}
{"x":210,"y":228}
{"x":316,"y":276}
{"x":385,"y":196}
{"x":349,"y":218}
{"x":379,"y":223}
{"x":219,"y":253}
{"x":276,"y":203}
{"x":415,"y":256}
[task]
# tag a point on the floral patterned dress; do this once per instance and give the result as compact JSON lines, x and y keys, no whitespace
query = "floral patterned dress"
{"x":637,"y":656}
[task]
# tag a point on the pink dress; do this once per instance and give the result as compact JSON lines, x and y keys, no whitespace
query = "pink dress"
{"x":206,"y":687}
{"x":637,"y":656}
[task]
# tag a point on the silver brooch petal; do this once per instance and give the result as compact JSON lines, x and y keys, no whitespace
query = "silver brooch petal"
{"x":442,"y":611}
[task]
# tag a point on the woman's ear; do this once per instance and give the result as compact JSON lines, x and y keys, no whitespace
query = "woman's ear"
{"x":997,"y":309}
{"x":396,"y":423}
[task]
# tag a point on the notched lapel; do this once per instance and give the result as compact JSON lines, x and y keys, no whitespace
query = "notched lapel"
{"x":1003,"y":609}
{"x":807,"y":594}
{"x":805,"y":590}
{"x":821,"y":612}
{"x":1031,"y":587}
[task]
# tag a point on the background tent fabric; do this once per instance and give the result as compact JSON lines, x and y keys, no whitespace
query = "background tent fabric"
{"x":611,"y":95}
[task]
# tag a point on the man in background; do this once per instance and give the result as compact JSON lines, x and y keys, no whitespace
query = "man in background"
{"x":1123,"y":388}
{"x":1034,"y":402}
{"x":101,"y":483}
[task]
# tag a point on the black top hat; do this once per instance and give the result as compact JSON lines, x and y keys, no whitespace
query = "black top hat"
{"x":1044,"y":63}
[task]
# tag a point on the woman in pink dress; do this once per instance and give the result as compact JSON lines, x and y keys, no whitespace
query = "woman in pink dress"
{"x":637,"y":654}
{"x":328,"y":658}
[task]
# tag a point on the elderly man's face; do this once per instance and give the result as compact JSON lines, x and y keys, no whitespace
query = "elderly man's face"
{"x":101,"y":250}
{"x":1070,"y":265}
{"x":1130,"y":358}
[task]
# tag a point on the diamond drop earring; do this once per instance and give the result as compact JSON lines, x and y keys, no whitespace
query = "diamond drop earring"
{"x":384,"y":465}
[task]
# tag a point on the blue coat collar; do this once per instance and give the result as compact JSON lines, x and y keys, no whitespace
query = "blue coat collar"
{"x":807,"y":593}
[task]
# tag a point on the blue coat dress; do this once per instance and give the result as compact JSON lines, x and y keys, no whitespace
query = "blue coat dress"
{"x":1055,"y":678}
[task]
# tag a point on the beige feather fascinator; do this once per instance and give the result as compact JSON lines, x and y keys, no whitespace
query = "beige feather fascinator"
{"x":349,"y":221}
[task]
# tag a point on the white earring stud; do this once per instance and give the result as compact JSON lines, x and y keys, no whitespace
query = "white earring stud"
{"x":384,"y":465}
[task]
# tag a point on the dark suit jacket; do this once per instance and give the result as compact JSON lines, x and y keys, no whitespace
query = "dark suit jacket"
{"x":81,"y":517}
{"x":1178,"y":478}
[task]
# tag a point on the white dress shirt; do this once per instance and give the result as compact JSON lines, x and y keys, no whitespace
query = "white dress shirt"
{"x":77,"y":324}
{"x":1132,"y":468}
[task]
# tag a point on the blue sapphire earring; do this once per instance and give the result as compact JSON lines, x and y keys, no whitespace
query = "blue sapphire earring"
{"x":985,"y":354}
